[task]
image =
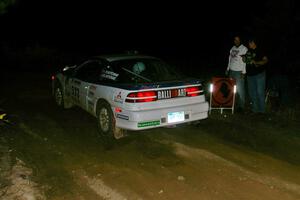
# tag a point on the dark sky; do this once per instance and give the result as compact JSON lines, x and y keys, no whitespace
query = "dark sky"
{"x":148,"y":24}
{"x":167,"y":26}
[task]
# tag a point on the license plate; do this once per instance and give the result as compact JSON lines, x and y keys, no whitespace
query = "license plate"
{"x":175,"y":117}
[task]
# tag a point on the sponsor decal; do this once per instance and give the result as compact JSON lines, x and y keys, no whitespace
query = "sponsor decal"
{"x":164,"y":94}
{"x":109,"y":75}
{"x":119,"y":98}
{"x":180,"y":92}
{"x":75,"y":94}
{"x":167,"y":94}
{"x":125,"y":117}
{"x":149,"y":123}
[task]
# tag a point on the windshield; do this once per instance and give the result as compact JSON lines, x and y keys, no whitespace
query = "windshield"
{"x":143,"y":71}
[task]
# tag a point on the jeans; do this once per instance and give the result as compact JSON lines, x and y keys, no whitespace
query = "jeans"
{"x":240,"y":87}
{"x":256,"y":89}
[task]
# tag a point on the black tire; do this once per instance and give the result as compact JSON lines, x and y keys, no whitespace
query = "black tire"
{"x":59,"y":96}
{"x":105,"y":120}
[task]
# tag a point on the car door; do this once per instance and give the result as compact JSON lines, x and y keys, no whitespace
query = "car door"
{"x":86,"y":76}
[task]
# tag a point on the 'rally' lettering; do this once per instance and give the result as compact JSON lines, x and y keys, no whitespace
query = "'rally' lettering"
{"x":167,"y":94}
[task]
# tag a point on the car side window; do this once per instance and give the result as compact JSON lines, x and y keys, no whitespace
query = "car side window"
{"x":108,"y":75}
{"x":135,"y":70}
{"x":89,"y":72}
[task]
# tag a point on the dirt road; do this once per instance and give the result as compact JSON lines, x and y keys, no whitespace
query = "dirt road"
{"x":56,"y":154}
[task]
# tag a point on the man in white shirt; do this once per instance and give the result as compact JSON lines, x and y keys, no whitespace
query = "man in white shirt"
{"x":237,"y":69}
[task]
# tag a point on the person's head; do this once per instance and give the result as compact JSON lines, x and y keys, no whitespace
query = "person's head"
{"x":252,"y":42}
{"x":138,"y":67}
{"x":237,"y":41}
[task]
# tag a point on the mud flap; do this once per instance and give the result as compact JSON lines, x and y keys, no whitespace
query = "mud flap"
{"x":118,"y":132}
{"x":67,"y":103}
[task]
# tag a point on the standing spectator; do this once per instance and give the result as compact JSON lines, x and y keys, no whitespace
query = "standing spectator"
{"x":237,"y":69}
{"x":256,"y":61}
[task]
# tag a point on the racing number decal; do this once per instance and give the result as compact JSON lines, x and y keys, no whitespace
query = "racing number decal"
{"x":75,"y":93}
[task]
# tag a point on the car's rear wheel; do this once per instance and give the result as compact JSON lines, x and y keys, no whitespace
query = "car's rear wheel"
{"x":106,"y":122}
{"x":59,"y":96}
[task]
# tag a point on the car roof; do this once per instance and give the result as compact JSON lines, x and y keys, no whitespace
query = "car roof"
{"x":115,"y":57}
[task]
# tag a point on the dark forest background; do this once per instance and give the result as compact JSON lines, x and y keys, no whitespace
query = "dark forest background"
{"x":44,"y":35}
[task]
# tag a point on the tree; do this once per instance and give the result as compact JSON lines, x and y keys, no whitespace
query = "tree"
{"x":5,"y":4}
{"x":274,"y":25}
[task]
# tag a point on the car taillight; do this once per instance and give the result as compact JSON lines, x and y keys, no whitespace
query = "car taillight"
{"x":193,"y":91}
{"x":141,"y":97}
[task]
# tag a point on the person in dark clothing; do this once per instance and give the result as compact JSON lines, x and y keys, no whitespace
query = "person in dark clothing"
{"x":256,"y":61}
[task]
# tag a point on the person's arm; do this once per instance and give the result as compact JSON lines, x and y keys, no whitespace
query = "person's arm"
{"x":229,"y":57}
{"x":244,"y":69}
{"x":260,"y":62}
{"x":227,"y":69}
{"x":244,"y":63}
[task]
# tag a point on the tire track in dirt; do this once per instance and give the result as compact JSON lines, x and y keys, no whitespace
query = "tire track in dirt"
{"x":99,"y":187}
{"x":89,"y":187}
{"x":197,"y":155}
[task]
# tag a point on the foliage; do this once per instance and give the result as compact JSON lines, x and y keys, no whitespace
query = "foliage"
{"x":4,"y":4}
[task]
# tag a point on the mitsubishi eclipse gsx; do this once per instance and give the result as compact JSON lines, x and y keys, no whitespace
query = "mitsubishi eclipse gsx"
{"x":130,"y":92}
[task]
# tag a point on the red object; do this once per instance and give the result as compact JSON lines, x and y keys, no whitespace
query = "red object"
{"x":52,"y":77}
{"x":192,"y":91}
{"x":141,"y":97}
{"x":149,"y":96}
{"x":223,"y":92}
{"x":118,"y":110}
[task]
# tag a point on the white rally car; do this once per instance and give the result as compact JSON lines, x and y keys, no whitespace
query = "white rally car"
{"x":130,"y":92}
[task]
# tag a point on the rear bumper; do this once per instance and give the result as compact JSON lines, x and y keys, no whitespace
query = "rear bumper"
{"x":147,"y":119}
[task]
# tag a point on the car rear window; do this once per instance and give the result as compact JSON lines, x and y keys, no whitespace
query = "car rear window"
{"x":138,"y":71}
